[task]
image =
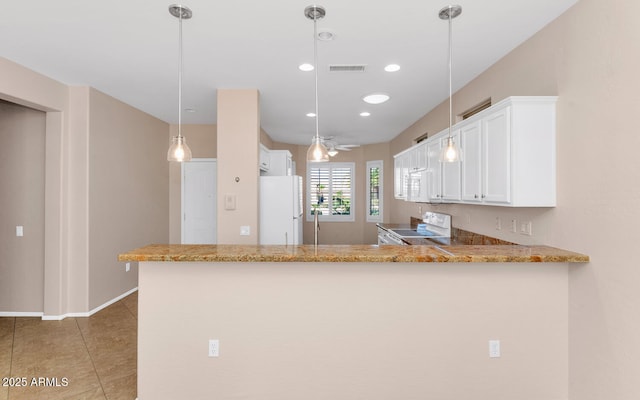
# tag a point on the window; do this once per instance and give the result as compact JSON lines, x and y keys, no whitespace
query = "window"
{"x":374,"y":191}
{"x":330,"y":189}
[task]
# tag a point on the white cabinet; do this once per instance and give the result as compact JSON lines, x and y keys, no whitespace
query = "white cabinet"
{"x":400,"y":175}
{"x":471,"y":167}
{"x":495,"y":158}
{"x":280,"y":163}
{"x":434,"y":170}
{"x":486,"y":167}
{"x":417,"y":184}
{"x":508,"y":157}
{"x":450,"y":171}
{"x":275,"y":162}
{"x":509,"y":154}
{"x":264,"y":159}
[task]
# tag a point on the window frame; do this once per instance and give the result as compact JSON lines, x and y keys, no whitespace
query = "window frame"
{"x":380,"y":165}
{"x":352,"y":207}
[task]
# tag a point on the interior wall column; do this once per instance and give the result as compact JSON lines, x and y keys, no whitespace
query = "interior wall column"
{"x":238,"y":173}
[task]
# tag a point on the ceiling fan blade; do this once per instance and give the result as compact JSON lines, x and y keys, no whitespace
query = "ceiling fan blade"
{"x":346,"y":147}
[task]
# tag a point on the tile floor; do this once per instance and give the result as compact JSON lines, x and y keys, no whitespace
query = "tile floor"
{"x":91,"y":358}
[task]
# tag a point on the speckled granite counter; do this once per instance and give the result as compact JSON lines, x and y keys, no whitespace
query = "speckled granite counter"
{"x":353,"y":253}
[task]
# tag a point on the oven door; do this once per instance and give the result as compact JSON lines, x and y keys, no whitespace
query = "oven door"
{"x":386,"y":238}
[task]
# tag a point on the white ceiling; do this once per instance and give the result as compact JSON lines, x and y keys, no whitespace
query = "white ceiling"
{"x":129,"y":50}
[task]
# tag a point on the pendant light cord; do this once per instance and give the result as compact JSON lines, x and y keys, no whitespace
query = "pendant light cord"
{"x":315,"y":63}
{"x":180,"y":75}
{"x":450,"y":79}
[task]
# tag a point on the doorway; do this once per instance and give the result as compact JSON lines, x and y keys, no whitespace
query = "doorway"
{"x":199,"y":201}
{"x":22,"y":214}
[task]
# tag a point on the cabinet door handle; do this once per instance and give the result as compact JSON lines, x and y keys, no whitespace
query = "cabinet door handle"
{"x":483,"y":196}
{"x":475,"y":196}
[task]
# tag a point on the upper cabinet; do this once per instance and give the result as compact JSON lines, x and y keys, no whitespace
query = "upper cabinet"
{"x":401,"y":174}
{"x":275,"y":162}
{"x":264,"y":158}
{"x":508,"y":156}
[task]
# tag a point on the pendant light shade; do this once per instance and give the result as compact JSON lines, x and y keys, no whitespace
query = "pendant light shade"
{"x":451,"y":152}
{"x":317,"y":151}
{"x":179,"y":151}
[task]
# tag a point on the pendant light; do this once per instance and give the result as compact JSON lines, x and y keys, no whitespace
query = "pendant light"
{"x":179,"y":151}
{"x":317,"y":151}
{"x":451,"y":152}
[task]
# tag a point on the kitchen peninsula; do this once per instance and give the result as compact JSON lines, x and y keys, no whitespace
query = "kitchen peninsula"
{"x":345,"y":322}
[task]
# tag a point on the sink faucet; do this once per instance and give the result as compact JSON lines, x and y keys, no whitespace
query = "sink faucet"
{"x":316,"y":221}
{"x":316,"y":227}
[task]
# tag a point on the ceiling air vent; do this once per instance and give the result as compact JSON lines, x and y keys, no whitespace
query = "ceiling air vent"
{"x":347,"y":68}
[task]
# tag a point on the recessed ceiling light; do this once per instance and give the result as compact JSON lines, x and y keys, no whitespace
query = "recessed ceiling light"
{"x":311,"y":115}
{"x":305,"y":67}
{"x":326,"y":35}
{"x":392,"y":68}
{"x":375,"y":98}
{"x":365,"y":114}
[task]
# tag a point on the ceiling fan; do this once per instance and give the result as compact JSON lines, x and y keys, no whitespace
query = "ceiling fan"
{"x":333,"y":146}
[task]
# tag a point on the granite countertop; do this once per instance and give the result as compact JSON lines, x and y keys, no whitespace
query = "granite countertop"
{"x":352,"y":253}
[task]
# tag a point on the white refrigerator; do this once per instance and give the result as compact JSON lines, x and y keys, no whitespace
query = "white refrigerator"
{"x":281,"y":210}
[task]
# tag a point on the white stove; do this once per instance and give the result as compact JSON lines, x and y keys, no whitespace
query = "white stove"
{"x":435,"y":225}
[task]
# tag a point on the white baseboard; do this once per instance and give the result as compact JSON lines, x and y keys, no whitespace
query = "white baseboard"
{"x":89,"y":313}
{"x":20,"y":314}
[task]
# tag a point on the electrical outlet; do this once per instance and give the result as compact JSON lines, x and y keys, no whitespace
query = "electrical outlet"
{"x":19,"y":231}
{"x":498,"y":224}
{"x":525,"y":228}
{"x":514,"y":225}
{"x":245,"y":230}
{"x":214,"y":347}
{"x":494,"y":348}
{"x":127,"y":267}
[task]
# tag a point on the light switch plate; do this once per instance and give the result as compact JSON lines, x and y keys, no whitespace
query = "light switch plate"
{"x":19,"y":230}
{"x":229,"y":201}
{"x":494,"y":348}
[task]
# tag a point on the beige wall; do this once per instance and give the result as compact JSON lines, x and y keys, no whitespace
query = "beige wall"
{"x":31,"y":89}
{"x":106,"y":188}
{"x":238,"y":175}
{"x":353,"y":331}
{"x":128,"y":191}
{"x":202,"y":140}
{"x":588,"y":57}
{"x":22,"y":133}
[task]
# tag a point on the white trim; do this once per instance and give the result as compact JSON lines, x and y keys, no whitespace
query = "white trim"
{"x":21,"y":314}
{"x":89,"y":313}
{"x":373,"y":164}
